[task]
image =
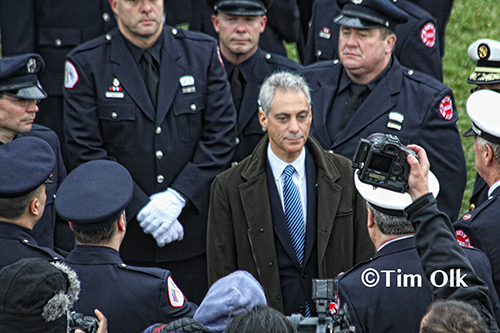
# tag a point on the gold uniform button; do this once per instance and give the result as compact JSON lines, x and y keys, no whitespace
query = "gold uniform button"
{"x":472,"y":206}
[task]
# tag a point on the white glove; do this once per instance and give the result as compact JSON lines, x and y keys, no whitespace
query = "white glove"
{"x":161,"y":211}
{"x":172,"y":234}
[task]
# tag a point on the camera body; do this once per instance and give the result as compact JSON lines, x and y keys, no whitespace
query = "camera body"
{"x":381,"y":160}
{"x":88,"y":324}
{"x":324,"y":292}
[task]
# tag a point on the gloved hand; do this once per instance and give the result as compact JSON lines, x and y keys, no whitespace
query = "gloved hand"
{"x":161,"y":211}
{"x":172,"y":234}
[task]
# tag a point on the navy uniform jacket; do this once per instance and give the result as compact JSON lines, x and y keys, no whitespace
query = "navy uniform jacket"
{"x":183,"y":144}
{"x":51,"y":231}
{"x":52,"y":28}
{"x":479,"y":228}
{"x":132,"y":298}
{"x":479,"y":193}
{"x":423,"y":102}
{"x":441,"y":10}
{"x":17,"y":243}
{"x":383,"y":308}
{"x":417,"y":45}
{"x":256,"y":70}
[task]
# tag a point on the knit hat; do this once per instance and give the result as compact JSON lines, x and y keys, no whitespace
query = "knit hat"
{"x":36,"y":295}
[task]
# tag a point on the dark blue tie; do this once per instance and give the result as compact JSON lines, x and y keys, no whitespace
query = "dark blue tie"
{"x":294,"y":219}
{"x":293,"y":213}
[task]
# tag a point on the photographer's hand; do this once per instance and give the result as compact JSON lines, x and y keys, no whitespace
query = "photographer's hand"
{"x":103,"y":323}
{"x":418,"y":184}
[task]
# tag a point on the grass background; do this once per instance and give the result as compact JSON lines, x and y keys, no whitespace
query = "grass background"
{"x":470,"y":20}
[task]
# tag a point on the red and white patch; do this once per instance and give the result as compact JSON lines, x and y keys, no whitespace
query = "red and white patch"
{"x":466,"y":216}
{"x":446,"y":108}
{"x":428,"y":35}
{"x":334,"y":306}
{"x":462,"y":238}
{"x":175,"y":295}
{"x":220,"y":57}
{"x":70,"y":75}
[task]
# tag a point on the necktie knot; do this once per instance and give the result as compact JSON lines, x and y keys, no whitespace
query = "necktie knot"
{"x":289,"y":170}
{"x":358,"y":89}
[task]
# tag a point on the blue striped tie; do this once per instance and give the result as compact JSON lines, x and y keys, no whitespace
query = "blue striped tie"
{"x":293,"y":213}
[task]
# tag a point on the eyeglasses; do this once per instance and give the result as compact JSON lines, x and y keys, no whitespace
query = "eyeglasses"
{"x":473,"y":90}
{"x":23,"y":101}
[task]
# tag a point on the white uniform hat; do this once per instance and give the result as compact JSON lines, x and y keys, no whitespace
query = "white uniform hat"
{"x":483,"y":108}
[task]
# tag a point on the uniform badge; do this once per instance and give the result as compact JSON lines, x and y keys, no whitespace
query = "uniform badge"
{"x":175,"y":295}
{"x":187,"y":84}
{"x":395,"y":121}
{"x":115,"y":91}
{"x":462,"y":238}
{"x":483,"y":52}
{"x":466,"y":217}
{"x":446,"y":108}
{"x":428,"y":35}
{"x":70,"y":75}
{"x":325,"y":33}
{"x":31,"y":65}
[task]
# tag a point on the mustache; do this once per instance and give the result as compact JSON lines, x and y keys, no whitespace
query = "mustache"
{"x":351,"y":50}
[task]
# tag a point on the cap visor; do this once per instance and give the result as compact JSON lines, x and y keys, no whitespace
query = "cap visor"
{"x":354,"y":22}
{"x":33,"y":92}
{"x":469,"y":132}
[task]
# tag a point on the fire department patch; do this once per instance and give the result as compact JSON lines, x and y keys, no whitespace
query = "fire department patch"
{"x":462,"y":238}
{"x":175,"y":295}
{"x":446,"y":108}
{"x":428,"y":35}
{"x":70,"y":75}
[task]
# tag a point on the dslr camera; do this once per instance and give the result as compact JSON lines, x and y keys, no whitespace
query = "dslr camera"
{"x":324,"y":293}
{"x":381,"y":160}
{"x":88,"y":324}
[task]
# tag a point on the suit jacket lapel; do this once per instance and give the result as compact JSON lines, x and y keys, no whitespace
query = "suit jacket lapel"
{"x":125,"y":69}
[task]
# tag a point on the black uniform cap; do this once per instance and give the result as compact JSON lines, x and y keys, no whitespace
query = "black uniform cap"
{"x":18,"y":76}
{"x":25,"y":164}
{"x":95,"y":194}
{"x":240,"y":7}
{"x":366,"y":14}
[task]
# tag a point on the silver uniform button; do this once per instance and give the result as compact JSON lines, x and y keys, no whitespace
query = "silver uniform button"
{"x":193,"y":107}
{"x":108,"y":37}
{"x":268,"y":56}
{"x":25,"y":241}
{"x":160,"y":179}
{"x":237,"y":140}
{"x":158,"y":130}
{"x":174,"y":31}
{"x":114,"y":115}
{"x":336,"y":61}
{"x":233,"y":164}
{"x":410,"y":72}
{"x":58,"y":42}
{"x":318,"y":53}
{"x":106,"y":17}
{"x":159,"y":154}
{"x":123,"y":265}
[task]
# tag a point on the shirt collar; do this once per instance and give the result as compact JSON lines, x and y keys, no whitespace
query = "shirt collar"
{"x":393,"y":240}
{"x":154,"y":50}
{"x":245,"y":67}
{"x":493,"y":188}
{"x":278,"y":165}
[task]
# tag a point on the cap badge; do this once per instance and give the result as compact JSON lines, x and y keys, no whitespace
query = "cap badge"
{"x":31,"y":65}
{"x":483,"y":51}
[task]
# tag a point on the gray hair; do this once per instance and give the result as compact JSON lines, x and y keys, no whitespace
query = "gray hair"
{"x":495,"y":147}
{"x":283,"y":81}
{"x":389,"y":224}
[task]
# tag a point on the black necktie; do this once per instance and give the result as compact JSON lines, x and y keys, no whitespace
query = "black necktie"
{"x":151,"y":76}
{"x":359,"y":93}
{"x":237,"y":87}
